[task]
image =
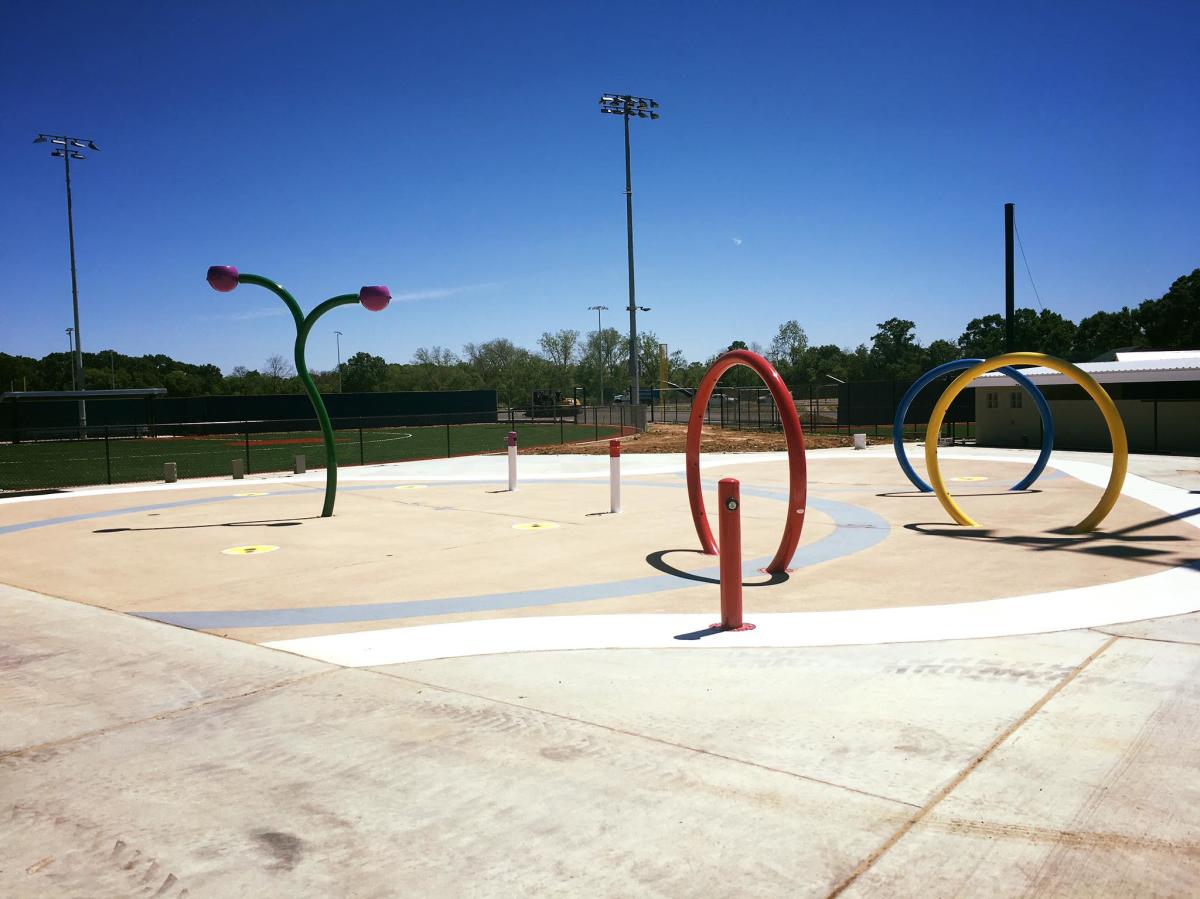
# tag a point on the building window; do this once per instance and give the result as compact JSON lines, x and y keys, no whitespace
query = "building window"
{"x":993,"y":401}
{"x":1014,"y":399}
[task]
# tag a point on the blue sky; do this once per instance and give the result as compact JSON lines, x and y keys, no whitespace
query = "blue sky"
{"x":834,"y":163}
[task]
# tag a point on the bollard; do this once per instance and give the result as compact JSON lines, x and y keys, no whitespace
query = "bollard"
{"x":730,"y":529}
{"x":170,"y":472}
{"x":614,"y":476}
{"x":300,"y":465}
{"x":239,"y":468}
{"x":860,"y":441}
{"x":512,"y":460}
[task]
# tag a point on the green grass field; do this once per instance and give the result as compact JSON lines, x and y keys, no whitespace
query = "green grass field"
{"x":76,"y":463}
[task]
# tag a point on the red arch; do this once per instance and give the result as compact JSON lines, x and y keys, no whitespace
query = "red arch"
{"x":797,"y":464}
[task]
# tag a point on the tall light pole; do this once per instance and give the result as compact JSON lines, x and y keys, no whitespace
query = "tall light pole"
{"x":338,"y":336}
{"x":599,"y":348}
{"x":71,"y":355}
{"x":627,"y":107}
{"x":68,"y":148}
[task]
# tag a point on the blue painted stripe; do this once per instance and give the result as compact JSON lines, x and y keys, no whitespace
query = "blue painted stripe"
{"x":110,"y":513}
{"x":856,"y":529}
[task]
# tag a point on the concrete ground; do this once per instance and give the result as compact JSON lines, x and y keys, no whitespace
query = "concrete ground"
{"x":138,"y":758}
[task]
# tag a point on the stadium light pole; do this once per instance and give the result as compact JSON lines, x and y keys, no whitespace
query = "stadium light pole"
{"x":68,"y":148}
{"x":338,"y":336}
{"x":71,"y":355}
{"x":628,"y":107}
{"x":599,"y":348}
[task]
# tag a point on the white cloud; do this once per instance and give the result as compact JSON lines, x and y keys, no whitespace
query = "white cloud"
{"x":438,"y":293}
{"x":737,"y":241}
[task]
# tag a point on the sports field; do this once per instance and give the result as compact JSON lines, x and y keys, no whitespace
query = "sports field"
{"x":117,"y":460}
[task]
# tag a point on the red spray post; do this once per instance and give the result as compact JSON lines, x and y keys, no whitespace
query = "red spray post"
{"x":729,"y":519}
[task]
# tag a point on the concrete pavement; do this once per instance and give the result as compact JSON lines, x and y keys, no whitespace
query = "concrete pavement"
{"x":142,"y":759}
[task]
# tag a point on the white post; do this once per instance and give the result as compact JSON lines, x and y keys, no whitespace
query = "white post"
{"x":614,"y":475}
{"x":512,"y":460}
{"x":170,"y":472}
{"x":301,"y":464}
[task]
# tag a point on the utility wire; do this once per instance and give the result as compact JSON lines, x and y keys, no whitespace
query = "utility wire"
{"x":1027,"y":271}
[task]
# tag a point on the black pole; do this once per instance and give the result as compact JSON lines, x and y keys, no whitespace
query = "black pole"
{"x":78,"y":361}
{"x":108,"y":457}
{"x":1009,"y":284}
{"x":633,"y":348}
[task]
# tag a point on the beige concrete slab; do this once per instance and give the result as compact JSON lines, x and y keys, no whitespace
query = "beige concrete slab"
{"x":455,"y":540}
{"x":68,"y":669}
{"x":1175,"y":629}
{"x":358,"y":784}
{"x":1096,"y":795}
{"x":896,"y":721}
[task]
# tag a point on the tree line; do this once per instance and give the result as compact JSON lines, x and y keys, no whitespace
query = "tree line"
{"x":568,"y":359}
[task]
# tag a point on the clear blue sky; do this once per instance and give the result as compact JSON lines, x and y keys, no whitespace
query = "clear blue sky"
{"x":834,"y":163}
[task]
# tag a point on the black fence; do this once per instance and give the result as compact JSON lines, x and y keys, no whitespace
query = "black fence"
{"x":51,"y":458}
{"x":864,"y":407}
{"x":398,"y":408}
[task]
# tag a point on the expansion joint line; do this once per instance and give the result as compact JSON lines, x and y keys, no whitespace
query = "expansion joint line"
{"x":640,"y":736}
{"x":169,"y":713}
{"x":869,"y":862}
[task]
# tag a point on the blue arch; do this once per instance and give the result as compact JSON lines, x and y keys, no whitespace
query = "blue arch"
{"x":959,"y":365}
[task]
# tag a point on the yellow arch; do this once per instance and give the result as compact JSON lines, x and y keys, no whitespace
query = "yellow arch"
{"x":1116,"y":431}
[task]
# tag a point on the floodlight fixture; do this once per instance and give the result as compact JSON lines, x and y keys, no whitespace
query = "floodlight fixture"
{"x":628,"y":106}
{"x":599,"y":349}
{"x":67,"y":148}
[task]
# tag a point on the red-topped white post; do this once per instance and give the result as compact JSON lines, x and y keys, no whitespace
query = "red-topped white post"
{"x":512,"y":460}
{"x":614,"y":475}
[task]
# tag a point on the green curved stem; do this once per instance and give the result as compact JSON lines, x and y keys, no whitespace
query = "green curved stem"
{"x":303,"y":326}
{"x":319,"y":404}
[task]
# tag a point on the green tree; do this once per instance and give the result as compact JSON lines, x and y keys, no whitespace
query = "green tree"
{"x":894,"y":351}
{"x":939,"y":352}
{"x":601,"y":352}
{"x":982,"y":338}
{"x":364,"y":373}
{"x":1043,"y":332}
{"x":819,"y":362}
{"x":560,"y":349}
{"x":1172,"y":322}
{"x":506,"y":368}
{"x":1103,"y":332}
{"x":787,"y":349}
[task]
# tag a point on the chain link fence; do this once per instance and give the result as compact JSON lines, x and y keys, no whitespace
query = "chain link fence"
{"x":52,"y":458}
{"x":864,"y":407}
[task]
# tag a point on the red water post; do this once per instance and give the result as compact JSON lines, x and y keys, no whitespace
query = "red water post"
{"x":729,"y":520}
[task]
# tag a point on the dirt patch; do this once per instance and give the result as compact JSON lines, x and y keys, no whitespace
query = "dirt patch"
{"x":668,"y":438}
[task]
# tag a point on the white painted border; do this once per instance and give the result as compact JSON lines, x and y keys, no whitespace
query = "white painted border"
{"x":1172,"y":592}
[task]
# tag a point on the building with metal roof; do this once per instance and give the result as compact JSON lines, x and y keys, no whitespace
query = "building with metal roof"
{"x":1156,"y":392}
